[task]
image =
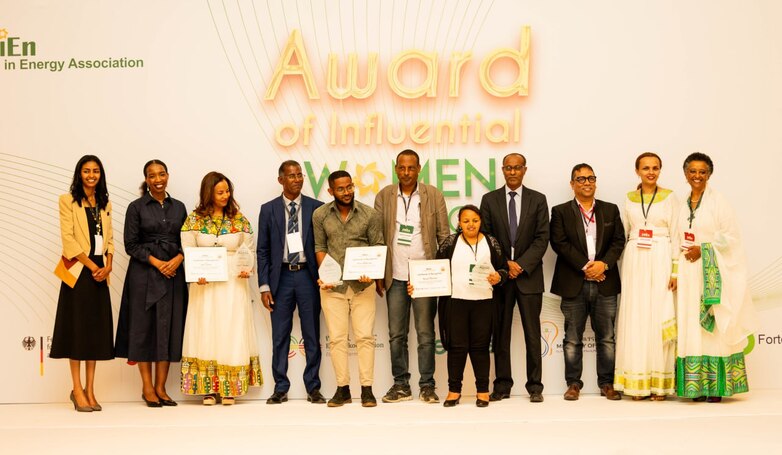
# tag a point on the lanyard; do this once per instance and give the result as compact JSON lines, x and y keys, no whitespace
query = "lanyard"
{"x":475,"y":251}
{"x":692,"y":211}
{"x":95,"y":213}
{"x":218,"y":228}
{"x":648,"y":209}
{"x":407,"y":201}
{"x":584,"y":215}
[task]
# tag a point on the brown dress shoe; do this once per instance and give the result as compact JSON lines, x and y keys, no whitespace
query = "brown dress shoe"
{"x":572,"y":392}
{"x":608,"y":391}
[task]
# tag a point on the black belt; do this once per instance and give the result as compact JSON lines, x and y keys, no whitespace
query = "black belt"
{"x":293,"y":267}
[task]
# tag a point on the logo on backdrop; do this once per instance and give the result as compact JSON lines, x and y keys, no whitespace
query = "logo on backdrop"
{"x":548,"y":335}
{"x":29,"y":343}
{"x":25,"y":56}
{"x":296,"y":346}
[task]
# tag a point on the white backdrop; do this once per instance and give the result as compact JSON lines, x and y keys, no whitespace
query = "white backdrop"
{"x":607,"y":80}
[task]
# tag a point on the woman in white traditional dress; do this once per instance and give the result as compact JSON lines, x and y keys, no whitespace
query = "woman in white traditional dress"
{"x":220,"y":349}
{"x":646,"y":327}
{"x":714,"y":306}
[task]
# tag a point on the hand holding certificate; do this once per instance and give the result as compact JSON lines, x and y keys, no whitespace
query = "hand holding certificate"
{"x":483,"y":275}
{"x":430,"y":278}
{"x":369,"y":261}
{"x":209,"y":263}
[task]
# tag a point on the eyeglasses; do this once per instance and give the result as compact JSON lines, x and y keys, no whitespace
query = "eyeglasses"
{"x":516,"y":168}
{"x":294,"y":176}
{"x":344,"y":190}
{"x":581,"y":180}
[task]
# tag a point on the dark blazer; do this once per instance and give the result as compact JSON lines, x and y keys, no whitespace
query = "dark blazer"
{"x":569,"y":242}
{"x":532,"y":235}
{"x":271,"y":240}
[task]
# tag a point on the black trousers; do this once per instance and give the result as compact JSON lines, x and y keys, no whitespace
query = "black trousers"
{"x":469,"y":329}
{"x":530,"y":306}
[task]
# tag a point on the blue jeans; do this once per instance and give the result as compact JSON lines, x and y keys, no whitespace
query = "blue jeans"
{"x":424,"y":309}
{"x":602,"y":313}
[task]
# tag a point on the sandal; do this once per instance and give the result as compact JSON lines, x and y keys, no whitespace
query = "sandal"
{"x":639,"y":398}
{"x":658,"y":397}
{"x":210,"y":400}
{"x":228,"y":401}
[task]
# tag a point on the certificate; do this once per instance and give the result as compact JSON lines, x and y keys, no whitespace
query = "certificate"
{"x":368,"y":261}
{"x":243,"y":261}
{"x":210,"y":263}
{"x":430,"y":278}
{"x":479,"y":275}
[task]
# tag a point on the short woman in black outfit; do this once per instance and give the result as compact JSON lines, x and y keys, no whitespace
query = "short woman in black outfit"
{"x":154,"y":299}
{"x":467,"y":315}
{"x":83,"y":326}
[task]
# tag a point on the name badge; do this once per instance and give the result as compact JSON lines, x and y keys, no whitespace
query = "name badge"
{"x":295,"y":244}
{"x":591,"y":248}
{"x":405,"y":234}
{"x":645,"y":237}
{"x":98,"y":245}
{"x":688,"y":239}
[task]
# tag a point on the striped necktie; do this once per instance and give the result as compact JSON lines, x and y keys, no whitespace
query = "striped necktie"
{"x":293,"y":226}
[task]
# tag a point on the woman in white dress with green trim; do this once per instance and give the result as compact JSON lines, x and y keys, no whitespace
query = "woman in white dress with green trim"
{"x":714,"y":307}
{"x":646,"y":324}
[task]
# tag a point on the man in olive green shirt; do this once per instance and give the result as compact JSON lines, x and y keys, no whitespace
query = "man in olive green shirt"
{"x":338,"y":225}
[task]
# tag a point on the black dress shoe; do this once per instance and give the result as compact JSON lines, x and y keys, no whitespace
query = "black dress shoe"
{"x":498,"y":396}
{"x":481,"y":403}
{"x":277,"y":398}
{"x":536,"y":397}
{"x":151,"y":404}
{"x":315,"y":397}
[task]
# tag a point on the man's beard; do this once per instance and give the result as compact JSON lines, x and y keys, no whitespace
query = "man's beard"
{"x":343,"y":204}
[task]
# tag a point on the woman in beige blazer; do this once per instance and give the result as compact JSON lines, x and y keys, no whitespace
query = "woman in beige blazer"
{"x":83,"y":326}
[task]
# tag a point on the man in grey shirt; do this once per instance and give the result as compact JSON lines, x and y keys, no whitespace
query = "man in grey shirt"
{"x":337,"y":225}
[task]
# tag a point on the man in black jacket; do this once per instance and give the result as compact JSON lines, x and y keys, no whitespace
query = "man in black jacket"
{"x":588,"y":237}
{"x":518,"y":218}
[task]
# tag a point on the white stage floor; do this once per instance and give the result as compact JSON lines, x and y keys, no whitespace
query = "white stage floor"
{"x":746,"y":424}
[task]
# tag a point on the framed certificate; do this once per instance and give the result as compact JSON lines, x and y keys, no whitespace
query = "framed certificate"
{"x":430,"y":278}
{"x":210,"y":263}
{"x":365,"y":260}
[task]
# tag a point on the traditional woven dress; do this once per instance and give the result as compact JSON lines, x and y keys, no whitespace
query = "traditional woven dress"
{"x":646,"y":324}
{"x":714,"y":307}
{"x":220,"y":350}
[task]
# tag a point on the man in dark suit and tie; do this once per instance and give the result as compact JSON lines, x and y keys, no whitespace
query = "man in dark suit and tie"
{"x":588,"y":237}
{"x":287,"y":275}
{"x":518,"y":218}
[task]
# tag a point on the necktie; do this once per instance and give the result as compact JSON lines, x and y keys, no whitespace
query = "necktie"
{"x":293,"y":226}
{"x":513,"y":218}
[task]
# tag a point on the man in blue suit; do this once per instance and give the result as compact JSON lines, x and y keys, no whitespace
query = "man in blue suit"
{"x":288,"y":275}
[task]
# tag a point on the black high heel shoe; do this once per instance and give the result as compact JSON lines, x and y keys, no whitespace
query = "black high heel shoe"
{"x":79,"y":408}
{"x":481,"y":403}
{"x":165,"y":402}
{"x":151,"y":404}
{"x":451,"y":403}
